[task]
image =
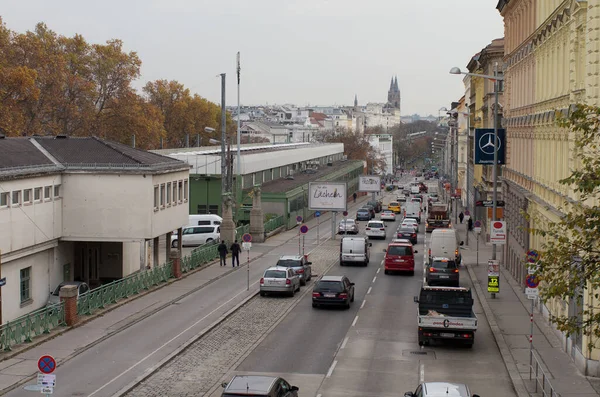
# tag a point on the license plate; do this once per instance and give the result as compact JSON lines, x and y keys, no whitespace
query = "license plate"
{"x":399,"y":260}
{"x":444,"y":276}
{"x":329,"y":295}
{"x":446,"y":335}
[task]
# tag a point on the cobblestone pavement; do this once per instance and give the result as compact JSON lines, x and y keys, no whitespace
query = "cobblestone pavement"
{"x":199,"y":367}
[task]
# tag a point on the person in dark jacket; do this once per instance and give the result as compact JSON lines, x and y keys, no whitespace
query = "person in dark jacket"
{"x":461,"y":216}
{"x":222,"y":248}
{"x":235,"y":253}
{"x":470,"y":224}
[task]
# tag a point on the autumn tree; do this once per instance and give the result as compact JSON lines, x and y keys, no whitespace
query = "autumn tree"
{"x":407,"y":149}
{"x":569,"y":264}
{"x":356,"y":147}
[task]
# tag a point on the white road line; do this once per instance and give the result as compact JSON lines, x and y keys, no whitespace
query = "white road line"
{"x":355,"y":320}
{"x":369,"y":291}
{"x":422,"y":373}
{"x":378,"y":270}
{"x":319,"y":395}
{"x":167,"y":343}
{"x":382,"y":262}
{"x":344,"y":342}
{"x":363,"y":304}
{"x":374,"y":278}
{"x":330,"y":372}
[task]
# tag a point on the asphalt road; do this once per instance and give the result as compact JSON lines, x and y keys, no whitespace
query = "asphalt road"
{"x":372,"y":349}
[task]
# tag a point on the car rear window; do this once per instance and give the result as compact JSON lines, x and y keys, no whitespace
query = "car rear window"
{"x":334,"y":286}
{"x":443,"y":264}
{"x":406,"y":230}
{"x":399,"y":250}
{"x":362,"y":211}
{"x":274,"y":274}
{"x":288,"y":263}
{"x":394,"y":203}
{"x":376,"y":224}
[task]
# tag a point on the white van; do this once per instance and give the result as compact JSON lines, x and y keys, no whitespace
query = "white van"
{"x":205,"y":220}
{"x":355,"y":249}
{"x":445,"y":243}
{"x":412,"y":209}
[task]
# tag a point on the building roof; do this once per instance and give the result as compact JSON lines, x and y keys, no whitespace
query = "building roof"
{"x":32,"y":155}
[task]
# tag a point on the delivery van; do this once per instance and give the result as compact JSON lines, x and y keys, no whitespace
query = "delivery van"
{"x":205,"y":220}
{"x":355,"y":249}
{"x":412,"y":209}
{"x":445,"y":243}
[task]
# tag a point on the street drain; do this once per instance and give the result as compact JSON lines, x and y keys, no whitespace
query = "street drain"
{"x":419,"y":353}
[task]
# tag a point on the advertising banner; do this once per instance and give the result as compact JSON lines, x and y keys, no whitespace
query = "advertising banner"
{"x":485,"y":146}
{"x":369,"y":183}
{"x":327,"y":196}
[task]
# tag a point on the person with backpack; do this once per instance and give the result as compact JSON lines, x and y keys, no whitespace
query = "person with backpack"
{"x":222,"y":248}
{"x":235,"y":253}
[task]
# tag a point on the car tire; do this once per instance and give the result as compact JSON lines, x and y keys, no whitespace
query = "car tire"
{"x":209,"y":241}
{"x":292,"y":293}
{"x":347,"y":306}
{"x":302,"y":283}
{"x":315,"y":305}
{"x":352,"y":299}
{"x":262,"y":293}
{"x":341,"y":263}
{"x":174,"y":244}
{"x":412,"y":273}
{"x":386,"y":272}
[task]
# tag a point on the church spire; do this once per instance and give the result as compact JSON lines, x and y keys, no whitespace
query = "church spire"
{"x":392,"y":83}
{"x":355,"y":101}
{"x":396,"y":85}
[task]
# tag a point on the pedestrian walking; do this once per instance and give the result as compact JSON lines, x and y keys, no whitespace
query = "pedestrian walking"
{"x":235,"y":253}
{"x":222,"y":248}
{"x":461,"y":216}
{"x":354,"y":196}
{"x":470,"y":224}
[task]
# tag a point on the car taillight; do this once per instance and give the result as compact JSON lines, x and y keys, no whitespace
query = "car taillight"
{"x":262,"y":280}
{"x":456,"y":252}
{"x":414,"y":235}
{"x":432,"y":270}
{"x":300,"y":271}
{"x":343,"y":295}
{"x":429,"y":251}
{"x":288,"y":281}
{"x":382,"y":229}
{"x":316,"y":294}
{"x":455,"y":270}
{"x":368,"y":228}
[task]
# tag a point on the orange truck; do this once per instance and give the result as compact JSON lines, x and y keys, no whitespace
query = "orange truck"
{"x":438,"y":217}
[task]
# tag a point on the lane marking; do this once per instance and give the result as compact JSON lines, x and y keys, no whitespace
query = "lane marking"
{"x":369,"y":291}
{"x":422,"y":373}
{"x":378,"y":270}
{"x":363,"y":304}
{"x":344,"y":342}
{"x":167,"y":343}
{"x":355,"y":320}
{"x":374,"y":278}
{"x":330,"y":372}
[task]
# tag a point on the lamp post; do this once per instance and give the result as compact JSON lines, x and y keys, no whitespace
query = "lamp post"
{"x":496,"y":79}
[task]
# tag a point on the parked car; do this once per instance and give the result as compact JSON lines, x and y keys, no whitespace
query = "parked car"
{"x":258,"y":386}
{"x":376,"y":205}
{"x":281,"y":280}
{"x":375,"y":229}
{"x":82,"y":288}
{"x":197,"y":235}
{"x":371,"y":210}
{"x":442,"y":271}
{"x":348,"y":226}
{"x":299,"y":264}
{"x":333,"y":290}
{"x":363,"y":214}
{"x":437,"y":389}
{"x":387,"y":215}
{"x":408,"y":233}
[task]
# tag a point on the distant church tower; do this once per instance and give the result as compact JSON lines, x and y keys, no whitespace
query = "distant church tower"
{"x":394,"y":94}
{"x":355,"y":102}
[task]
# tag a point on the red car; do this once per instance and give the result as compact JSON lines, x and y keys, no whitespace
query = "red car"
{"x":399,"y":257}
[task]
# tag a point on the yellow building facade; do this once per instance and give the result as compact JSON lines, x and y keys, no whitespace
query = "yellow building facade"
{"x":551,"y":60}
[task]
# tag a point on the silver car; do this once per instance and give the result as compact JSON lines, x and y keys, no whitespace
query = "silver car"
{"x":82,"y":288}
{"x":299,"y":264}
{"x":348,"y":226}
{"x":281,"y":280}
{"x":441,"y":389}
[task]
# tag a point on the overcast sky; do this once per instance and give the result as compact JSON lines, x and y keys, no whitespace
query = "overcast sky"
{"x":317,"y":52}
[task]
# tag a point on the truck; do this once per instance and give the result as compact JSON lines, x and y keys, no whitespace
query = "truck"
{"x":446,"y":313}
{"x":438,"y":216}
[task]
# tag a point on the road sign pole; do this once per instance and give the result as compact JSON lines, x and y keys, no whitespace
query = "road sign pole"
{"x":318,"y":221}
{"x":477,"y":261}
{"x":299,"y":251}
{"x":248,"y":272}
{"x":303,"y":244}
{"x":531,"y":338}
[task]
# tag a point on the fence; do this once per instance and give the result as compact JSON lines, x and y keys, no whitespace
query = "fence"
{"x":199,"y":256}
{"x":25,"y":328}
{"x":544,"y":380}
{"x":240,"y":231}
{"x":273,"y":224}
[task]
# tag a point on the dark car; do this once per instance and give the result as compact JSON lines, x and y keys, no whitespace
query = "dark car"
{"x":376,"y":205}
{"x":407,"y":233}
{"x":363,"y":214}
{"x":258,"y":386}
{"x":442,"y":271}
{"x":334,"y":291}
{"x":371,"y":210}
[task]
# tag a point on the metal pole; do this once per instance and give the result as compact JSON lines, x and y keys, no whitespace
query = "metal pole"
{"x":318,"y":222}
{"x":495,"y":169}
{"x":333,"y":215}
{"x":248,"y":272}
{"x":238,"y":168}
{"x":303,"y":236}
{"x":467,"y":185}
{"x":477,"y":249}
{"x":299,"y":251}
{"x":197,"y":141}
{"x":223,"y":136}
{"x":531,"y":338}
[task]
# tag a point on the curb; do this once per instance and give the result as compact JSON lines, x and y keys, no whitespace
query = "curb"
{"x":183,"y":347}
{"x":509,"y":362}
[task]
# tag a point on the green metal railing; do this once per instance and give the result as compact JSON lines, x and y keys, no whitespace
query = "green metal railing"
{"x":23,"y":329}
{"x":110,"y":293}
{"x":241,"y":230}
{"x":199,"y":256}
{"x":273,"y":224}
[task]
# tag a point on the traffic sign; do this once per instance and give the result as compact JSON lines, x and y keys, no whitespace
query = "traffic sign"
{"x":498,"y":232}
{"x":477,"y":230}
{"x":477,"y":224}
{"x":46,"y":364}
{"x":46,"y":380}
{"x":532,"y":281}
{"x":47,"y":390}
{"x":2,"y":281}
{"x":345,"y":213}
{"x":303,"y":229}
{"x":532,"y":256}
{"x":246,"y":246}
{"x":247,"y":237}
{"x":317,"y":214}
{"x":467,"y":212}
{"x":298,"y":219}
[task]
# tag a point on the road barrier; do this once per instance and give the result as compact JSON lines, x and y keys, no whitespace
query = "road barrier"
{"x":540,"y":377}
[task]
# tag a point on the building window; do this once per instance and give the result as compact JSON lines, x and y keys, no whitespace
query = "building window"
{"x":169,"y":193}
{"x":56,"y":191}
{"x":4,"y":199}
{"x":16,"y":198}
{"x":25,"y":284}
{"x":37,"y":194}
{"x":47,"y":191}
{"x":162,"y":195}
{"x":27,"y":196}
{"x":185,"y":189}
{"x":174,"y":193}
{"x":156,"y":198}
{"x":180,"y":195}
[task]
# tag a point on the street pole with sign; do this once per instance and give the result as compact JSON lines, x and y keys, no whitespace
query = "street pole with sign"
{"x":246,"y":245}
{"x":531,"y":285}
{"x":318,"y":216}
{"x":299,"y":220}
{"x":303,"y":229}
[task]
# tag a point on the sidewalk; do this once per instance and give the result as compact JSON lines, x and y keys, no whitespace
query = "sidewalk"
{"x":19,"y":366}
{"x":509,"y":318}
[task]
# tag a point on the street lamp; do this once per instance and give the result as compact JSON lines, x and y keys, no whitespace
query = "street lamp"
{"x":495,"y":78}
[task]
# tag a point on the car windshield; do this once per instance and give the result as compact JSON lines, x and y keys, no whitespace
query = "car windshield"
{"x":447,"y":264}
{"x":334,"y":286}
{"x":274,"y":274}
{"x":348,"y":222}
{"x":388,"y":212}
{"x":376,"y":224}
{"x":288,"y":263}
{"x":399,"y":250}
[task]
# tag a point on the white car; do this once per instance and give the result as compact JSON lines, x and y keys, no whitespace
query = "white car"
{"x":387,"y":215}
{"x":197,"y":235}
{"x":375,"y":229}
{"x":409,"y":222}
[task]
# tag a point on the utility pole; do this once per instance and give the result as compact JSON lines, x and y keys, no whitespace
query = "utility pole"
{"x":238,"y":165}
{"x":223,"y":137}
{"x":495,"y":169}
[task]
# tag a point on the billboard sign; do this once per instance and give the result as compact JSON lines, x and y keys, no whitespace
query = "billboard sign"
{"x":327,"y":196}
{"x":485,"y":146}
{"x":369,"y":183}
